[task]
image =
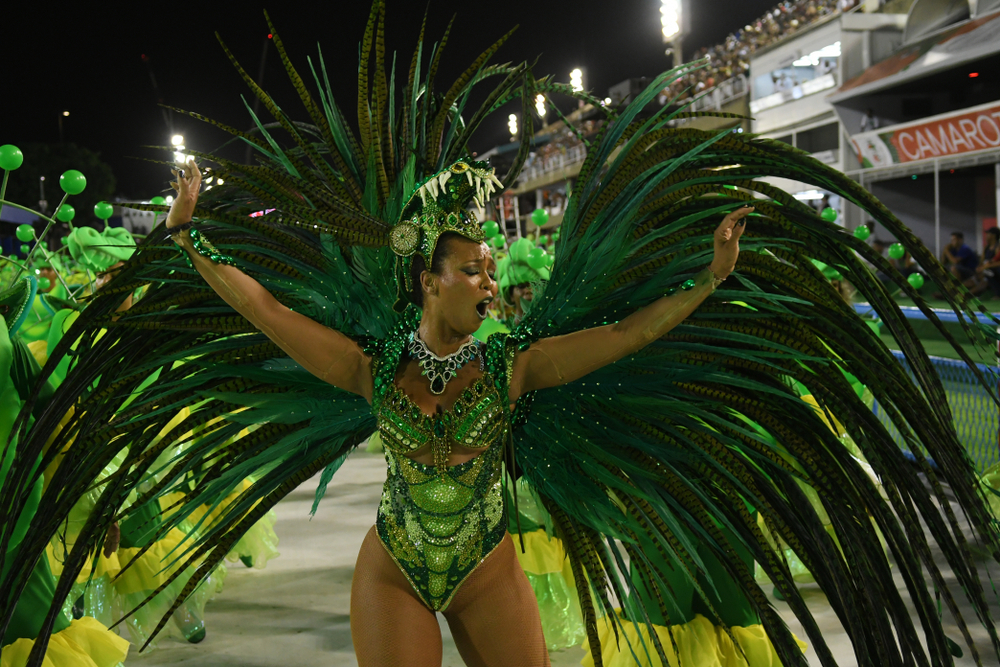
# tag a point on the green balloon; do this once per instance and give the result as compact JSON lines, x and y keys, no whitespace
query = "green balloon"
{"x":44,"y":284}
{"x":103,"y":210}
{"x":73,"y":182}
{"x":916,"y":280}
{"x":543,"y":240}
{"x":64,"y":240}
{"x":536,"y":258}
{"x":829,"y":214}
{"x":66,"y":213}
{"x":25,"y":248}
{"x":159,"y":201}
{"x":555,"y":235}
{"x":491,"y":228}
{"x":862,"y":233}
{"x":896,"y":251}
{"x":498,"y":241}
{"x":549,"y":259}
{"x":11,"y":157}
{"x":539,"y":216}
{"x":25,"y":233}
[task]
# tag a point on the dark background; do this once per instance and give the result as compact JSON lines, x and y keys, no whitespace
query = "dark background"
{"x":89,"y":61}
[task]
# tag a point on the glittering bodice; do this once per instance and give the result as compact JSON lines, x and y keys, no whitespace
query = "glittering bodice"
{"x":439,"y":522}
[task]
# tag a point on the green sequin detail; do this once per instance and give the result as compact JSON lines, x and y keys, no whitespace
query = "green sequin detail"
{"x":439,"y":522}
{"x":687,"y":284}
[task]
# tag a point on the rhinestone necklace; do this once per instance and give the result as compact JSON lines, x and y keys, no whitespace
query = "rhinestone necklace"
{"x":441,"y":370}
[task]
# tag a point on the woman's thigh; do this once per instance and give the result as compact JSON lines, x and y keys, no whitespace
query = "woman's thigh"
{"x":494,"y":616}
{"x":390,"y":626}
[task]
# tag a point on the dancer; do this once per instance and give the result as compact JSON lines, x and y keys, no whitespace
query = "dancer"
{"x":79,"y":642}
{"x":635,"y":451}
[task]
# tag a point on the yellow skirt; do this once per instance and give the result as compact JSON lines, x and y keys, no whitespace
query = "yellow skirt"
{"x":85,"y":643}
{"x":699,"y":643}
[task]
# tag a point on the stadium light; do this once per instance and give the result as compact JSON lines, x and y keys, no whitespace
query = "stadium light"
{"x":177,"y":140}
{"x":512,"y":124}
{"x":576,"y":80}
{"x":540,"y":105}
{"x":670,"y":18}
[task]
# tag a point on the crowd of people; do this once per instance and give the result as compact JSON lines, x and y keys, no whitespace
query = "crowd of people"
{"x":732,"y":57}
{"x":560,"y":144}
{"x":980,"y":274}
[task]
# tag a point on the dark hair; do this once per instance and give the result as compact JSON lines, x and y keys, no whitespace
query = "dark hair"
{"x":960,"y":235}
{"x":994,"y":231}
{"x":418,"y":266}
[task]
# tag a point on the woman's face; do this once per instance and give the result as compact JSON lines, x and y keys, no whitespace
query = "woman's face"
{"x":520,"y":294}
{"x":463,"y":290}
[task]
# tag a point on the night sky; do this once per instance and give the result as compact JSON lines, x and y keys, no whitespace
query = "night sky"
{"x":89,"y":61}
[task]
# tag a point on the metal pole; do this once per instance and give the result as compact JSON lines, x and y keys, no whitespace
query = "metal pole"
{"x":996,"y":185}
{"x":937,"y":210}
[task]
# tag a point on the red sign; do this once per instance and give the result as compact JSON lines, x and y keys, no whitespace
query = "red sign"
{"x":946,"y":135}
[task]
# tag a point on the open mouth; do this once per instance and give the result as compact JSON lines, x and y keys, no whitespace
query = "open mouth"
{"x":482,"y":307}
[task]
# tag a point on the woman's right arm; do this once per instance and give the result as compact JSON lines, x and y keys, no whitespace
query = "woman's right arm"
{"x":328,"y":354}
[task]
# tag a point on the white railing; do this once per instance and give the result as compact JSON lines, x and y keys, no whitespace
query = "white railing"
{"x":724,"y":93}
{"x":573,"y":156}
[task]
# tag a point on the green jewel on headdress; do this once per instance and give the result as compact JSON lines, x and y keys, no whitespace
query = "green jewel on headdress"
{"x":439,"y":205}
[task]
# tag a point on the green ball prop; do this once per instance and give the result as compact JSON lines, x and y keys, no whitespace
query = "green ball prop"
{"x":159,"y":201}
{"x":549,"y":260}
{"x":491,"y":228}
{"x":539,"y":216}
{"x":862,"y":233}
{"x":536,"y":258}
{"x":25,"y":248}
{"x":916,"y":280}
{"x":555,"y":235}
{"x":829,"y":214}
{"x":497,"y":241}
{"x":64,"y":240}
{"x":66,"y":213}
{"x":73,"y":182}
{"x":11,"y":157}
{"x":896,"y":251}
{"x":44,"y":284}
{"x":544,"y":240}
{"x":103,"y":210}
{"x":25,"y":233}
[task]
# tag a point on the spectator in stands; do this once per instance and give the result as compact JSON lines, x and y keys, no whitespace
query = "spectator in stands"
{"x":869,"y":122}
{"x":989,"y":270}
{"x":732,"y":57}
{"x":959,"y":258}
{"x":962,"y":261}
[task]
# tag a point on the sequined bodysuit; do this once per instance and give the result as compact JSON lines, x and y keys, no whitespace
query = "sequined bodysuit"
{"x":440,"y":522}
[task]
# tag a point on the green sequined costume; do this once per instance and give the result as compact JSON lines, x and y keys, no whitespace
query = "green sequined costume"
{"x":438,"y":522}
{"x":648,"y":460}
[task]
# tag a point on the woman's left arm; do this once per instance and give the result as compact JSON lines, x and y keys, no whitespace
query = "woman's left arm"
{"x":551,"y":362}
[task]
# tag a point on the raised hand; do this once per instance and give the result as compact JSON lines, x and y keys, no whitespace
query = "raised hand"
{"x":727,"y":242}
{"x":187,"y":186}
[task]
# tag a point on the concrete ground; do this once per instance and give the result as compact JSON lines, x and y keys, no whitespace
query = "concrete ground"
{"x":296,"y":611}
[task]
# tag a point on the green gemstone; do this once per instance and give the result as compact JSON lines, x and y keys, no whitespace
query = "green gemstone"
{"x":687,"y":284}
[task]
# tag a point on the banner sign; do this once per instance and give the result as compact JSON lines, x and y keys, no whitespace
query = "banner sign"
{"x":946,"y":135}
